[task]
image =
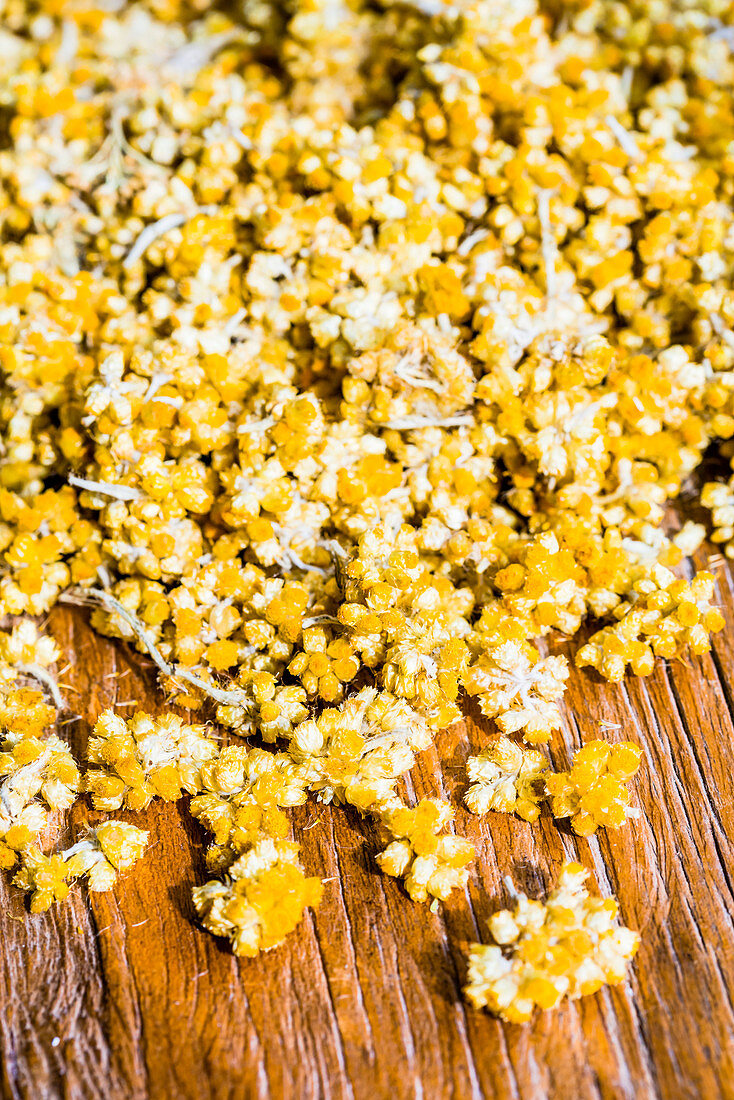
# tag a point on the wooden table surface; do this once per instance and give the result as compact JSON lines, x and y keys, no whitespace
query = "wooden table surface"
{"x":120,"y":995}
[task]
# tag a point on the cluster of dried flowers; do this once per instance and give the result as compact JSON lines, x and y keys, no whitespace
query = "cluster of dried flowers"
{"x":113,"y":846}
{"x":347,"y":351}
{"x":568,"y":946}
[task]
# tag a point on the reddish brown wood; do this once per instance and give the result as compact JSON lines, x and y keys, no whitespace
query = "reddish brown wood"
{"x":121,"y":996}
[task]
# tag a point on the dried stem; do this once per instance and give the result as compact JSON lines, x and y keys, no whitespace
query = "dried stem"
{"x":38,"y":672}
{"x":81,"y":596}
{"x":548,"y":250}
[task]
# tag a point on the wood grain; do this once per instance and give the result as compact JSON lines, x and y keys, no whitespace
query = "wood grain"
{"x":120,"y":996}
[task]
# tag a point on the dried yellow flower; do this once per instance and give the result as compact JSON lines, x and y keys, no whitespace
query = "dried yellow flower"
{"x":430,"y":864}
{"x":519,"y":690}
{"x":135,"y":760}
{"x":568,"y":946}
{"x":111,"y":847}
{"x":24,"y":713}
{"x":664,"y":616}
{"x":261,"y":898}
{"x":242,"y":792}
{"x":506,"y":777}
{"x":594,"y":792}
{"x":355,"y":753}
{"x":30,"y":767}
{"x":25,"y":653}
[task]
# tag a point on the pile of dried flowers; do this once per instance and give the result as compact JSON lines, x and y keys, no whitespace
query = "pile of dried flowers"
{"x":347,"y":351}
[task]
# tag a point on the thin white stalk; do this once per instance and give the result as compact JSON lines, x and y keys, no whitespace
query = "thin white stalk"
{"x":158,"y":229}
{"x":151,"y":233}
{"x":624,"y":137}
{"x":69,"y":45}
{"x":105,"y":488}
{"x":511,"y":888}
{"x":232,"y":696}
{"x":548,"y":250}
{"x":410,"y":423}
{"x":38,"y":672}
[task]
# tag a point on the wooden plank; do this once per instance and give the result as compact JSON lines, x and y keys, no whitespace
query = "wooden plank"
{"x":123,"y":996}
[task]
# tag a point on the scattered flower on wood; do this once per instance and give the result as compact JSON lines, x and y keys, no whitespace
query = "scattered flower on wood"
{"x":432,"y":864}
{"x":594,"y":792}
{"x":112,"y":847}
{"x":261,"y":898}
{"x":507,"y":777}
{"x":35,"y":776}
{"x":568,"y":946}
